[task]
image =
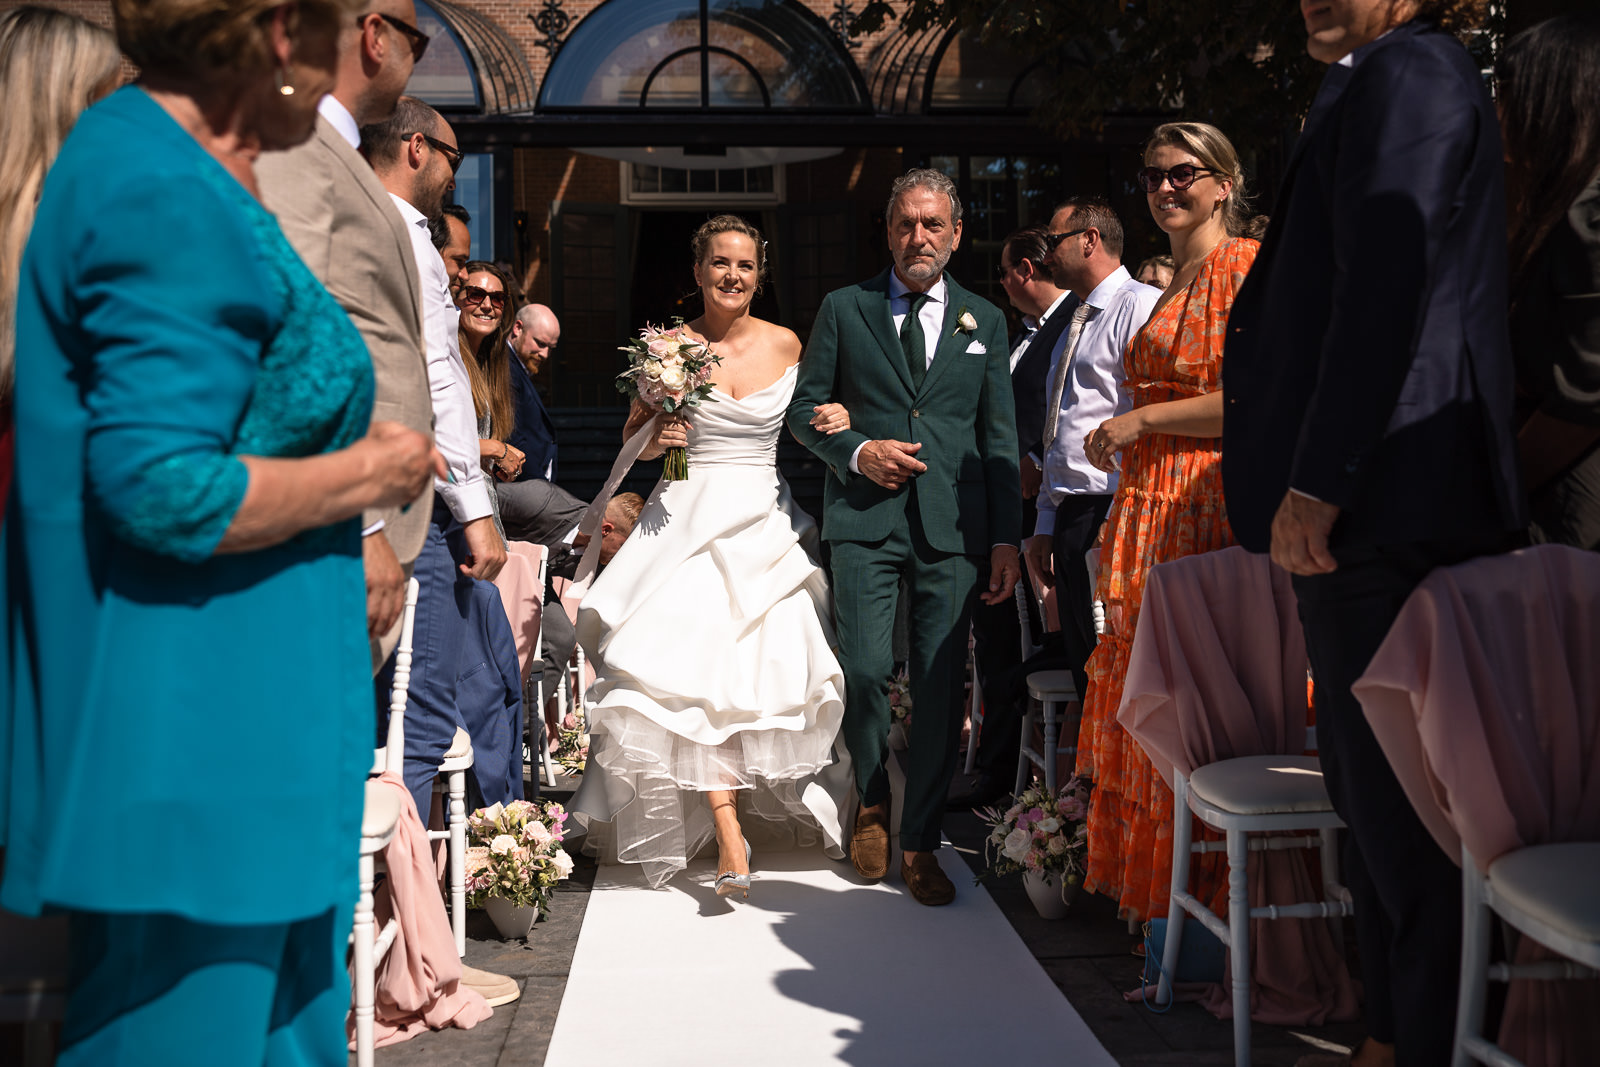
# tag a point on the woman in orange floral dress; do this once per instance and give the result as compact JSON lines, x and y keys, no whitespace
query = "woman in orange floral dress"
{"x":1168,"y":502}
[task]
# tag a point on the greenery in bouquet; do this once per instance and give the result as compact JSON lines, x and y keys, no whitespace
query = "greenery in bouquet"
{"x":669,"y":370}
{"x":572,"y":743}
{"x":515,"y":853}
{"x":900,"y":696}
{"x":1041,"y":833}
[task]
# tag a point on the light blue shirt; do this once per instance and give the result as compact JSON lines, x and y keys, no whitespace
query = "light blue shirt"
{"x":1093,"y":392}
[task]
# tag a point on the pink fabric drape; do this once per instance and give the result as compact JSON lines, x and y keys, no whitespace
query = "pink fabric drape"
{"x":523,"y":597}
{"x":1486,"y":698}
{"x":1217,"y":671}
{"x":419,"y":978}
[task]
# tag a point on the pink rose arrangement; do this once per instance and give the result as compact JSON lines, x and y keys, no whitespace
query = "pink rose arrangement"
{"x":669,"y":370}
{"x":1041,"y":833}
{"x":515,"y":853}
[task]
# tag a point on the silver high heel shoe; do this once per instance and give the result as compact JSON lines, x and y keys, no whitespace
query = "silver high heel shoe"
{"x":728,"y":884}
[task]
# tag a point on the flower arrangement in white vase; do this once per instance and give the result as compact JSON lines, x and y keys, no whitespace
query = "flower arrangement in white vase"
{"x":900,"y":710}
{"x":1046,"y":838}
{"x":515,"y":861}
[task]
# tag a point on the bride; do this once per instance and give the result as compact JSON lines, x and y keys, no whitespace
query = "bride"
{"x":710,"y":629}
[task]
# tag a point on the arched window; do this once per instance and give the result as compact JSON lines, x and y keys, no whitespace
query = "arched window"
{"x":696,"y":55}
{"x":472,"y":64}
{"x":971,"y":76}
{"x":444,"y":78}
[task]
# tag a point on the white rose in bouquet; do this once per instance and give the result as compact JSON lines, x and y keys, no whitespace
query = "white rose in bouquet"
{"x":503,"y":844}
{"x":1017,"y":844}
{"x":563,"y":863}
{"x":1057,"y":846}
{"x":673,"y":377}
{"x":1050,"y":824}
{"x":652,"y":369}
{"x":536,"y":834}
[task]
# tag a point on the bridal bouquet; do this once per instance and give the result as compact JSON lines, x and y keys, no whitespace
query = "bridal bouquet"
{"x":669,"y":370}
{"x":516,"y":853}
{"x":1040,"y":833}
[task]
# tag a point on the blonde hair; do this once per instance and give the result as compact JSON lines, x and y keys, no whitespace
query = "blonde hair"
{"x":52,"y":65}
{"x":215,"y":40}
{"x":1216,"y":153}
{"x":489,"y":365}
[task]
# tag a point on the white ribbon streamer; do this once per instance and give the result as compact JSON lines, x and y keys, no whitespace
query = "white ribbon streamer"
{"x":595,"y":513}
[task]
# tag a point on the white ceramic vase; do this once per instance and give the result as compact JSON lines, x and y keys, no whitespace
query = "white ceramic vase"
{"x":513,"y":921}
{"x":1044,"y":889}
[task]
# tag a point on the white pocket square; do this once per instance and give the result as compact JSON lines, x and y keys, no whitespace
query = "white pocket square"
{"x":976,"y":349}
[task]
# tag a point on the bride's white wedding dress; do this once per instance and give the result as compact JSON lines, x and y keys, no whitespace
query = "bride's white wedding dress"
{"x":710,"y":636}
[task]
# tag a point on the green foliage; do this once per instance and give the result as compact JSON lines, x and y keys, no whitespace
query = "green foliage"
{"x":1241,"y":65}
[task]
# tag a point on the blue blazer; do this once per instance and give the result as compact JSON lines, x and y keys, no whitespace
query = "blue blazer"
{"x":534,"y":434}
{"x":1368,"y":360}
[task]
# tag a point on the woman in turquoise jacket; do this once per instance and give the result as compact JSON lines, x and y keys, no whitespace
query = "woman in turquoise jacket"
{"x":188,"y":712}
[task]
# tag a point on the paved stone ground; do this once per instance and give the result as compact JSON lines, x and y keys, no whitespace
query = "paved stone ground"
{"x":1088,"y":955}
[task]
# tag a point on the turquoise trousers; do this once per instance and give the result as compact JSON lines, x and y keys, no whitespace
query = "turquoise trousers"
{"x":163,"y":991}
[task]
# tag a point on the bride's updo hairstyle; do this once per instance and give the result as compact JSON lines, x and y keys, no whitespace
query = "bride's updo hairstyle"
{"x":700,"y":244}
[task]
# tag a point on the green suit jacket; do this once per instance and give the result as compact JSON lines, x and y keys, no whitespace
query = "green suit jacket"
{"x":968,"y":498}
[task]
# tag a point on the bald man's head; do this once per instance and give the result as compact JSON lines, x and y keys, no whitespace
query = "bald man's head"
{"x":534,"y":335}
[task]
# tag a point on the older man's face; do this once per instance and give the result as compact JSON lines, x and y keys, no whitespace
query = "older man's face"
{"x":922,"y":234}
{"x":1335,"y":28}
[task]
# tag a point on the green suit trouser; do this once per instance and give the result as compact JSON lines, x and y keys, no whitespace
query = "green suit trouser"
{"x":866,"y":588}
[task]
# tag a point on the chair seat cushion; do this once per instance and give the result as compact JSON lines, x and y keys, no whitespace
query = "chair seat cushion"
{"x":1262,"y":785}
{"x":381,"y":810}
{"x":1052,"y":685}
{"x":1555,"y":885}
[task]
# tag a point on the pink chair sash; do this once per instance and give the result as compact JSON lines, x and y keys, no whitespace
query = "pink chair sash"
{"x":1486,"y":698}
{"x":523,"y":597}
{"x":1218,"y":670}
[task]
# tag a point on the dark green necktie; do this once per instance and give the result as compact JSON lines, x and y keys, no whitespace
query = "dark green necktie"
{"x":914,"y":342}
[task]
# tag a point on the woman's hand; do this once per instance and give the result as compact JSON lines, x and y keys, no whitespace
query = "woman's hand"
{"x":1102,"y":444}
{"x":830,"y":418}
{"x":399,"y":463}
{"x":672,"y":431}
{"x":508,"y":465}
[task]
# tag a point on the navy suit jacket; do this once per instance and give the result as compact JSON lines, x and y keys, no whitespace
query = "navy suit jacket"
{"x":1030,"y":380}
{"x":534,"y":434}
{"x":1368,"y":360}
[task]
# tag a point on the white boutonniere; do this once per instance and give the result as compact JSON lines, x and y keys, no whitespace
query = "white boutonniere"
{"x":965,"y":323}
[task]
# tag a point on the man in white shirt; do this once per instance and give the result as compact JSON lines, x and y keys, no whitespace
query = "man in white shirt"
{"x":414,"y":154}
{"x":1085,"y":389}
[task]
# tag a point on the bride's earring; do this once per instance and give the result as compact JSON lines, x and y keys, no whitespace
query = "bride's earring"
{"x":285,"y":80}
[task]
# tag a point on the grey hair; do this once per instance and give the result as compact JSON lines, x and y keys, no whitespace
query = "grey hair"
{"x":924,"y":178}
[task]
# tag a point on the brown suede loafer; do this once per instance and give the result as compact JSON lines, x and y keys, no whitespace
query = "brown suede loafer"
{"x":927,"y":881}
{"x":869,"y":845}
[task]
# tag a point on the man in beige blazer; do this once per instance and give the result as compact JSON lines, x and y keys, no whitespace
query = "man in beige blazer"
{"x":341,"y":221}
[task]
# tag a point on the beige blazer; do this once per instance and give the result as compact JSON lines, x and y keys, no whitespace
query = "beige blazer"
{"x":340,"y":219}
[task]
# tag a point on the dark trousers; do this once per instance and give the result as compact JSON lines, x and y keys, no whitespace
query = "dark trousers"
{"x":997,"y":647}
{"x":866,"y":588}
{"x":1407,"y":892}
{"x":1078,"y":522}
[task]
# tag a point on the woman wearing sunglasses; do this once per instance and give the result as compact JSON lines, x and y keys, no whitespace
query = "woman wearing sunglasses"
{"x":1168,"y":501}
{"x":485,"y":327}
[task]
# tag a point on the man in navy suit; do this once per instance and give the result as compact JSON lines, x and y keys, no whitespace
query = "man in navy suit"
{"x":534,"y":335}
{"x":1367,"y":434}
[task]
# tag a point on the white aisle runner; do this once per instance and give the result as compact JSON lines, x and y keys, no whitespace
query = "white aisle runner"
{"x":815,"y":969}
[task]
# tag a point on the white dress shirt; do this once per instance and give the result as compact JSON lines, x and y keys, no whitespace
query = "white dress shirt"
{"x":339,"y":118}
{"x":1093,"y":392}
{"x":455,"y":420}
{"x":931,"y":316}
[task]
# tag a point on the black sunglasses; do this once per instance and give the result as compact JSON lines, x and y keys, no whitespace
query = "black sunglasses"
{"x":472,"y":295}
{"x":1051,"y":240}
{"x":451,"y":153}
{"x":1182,"y":176}
{"x":419,"y":40}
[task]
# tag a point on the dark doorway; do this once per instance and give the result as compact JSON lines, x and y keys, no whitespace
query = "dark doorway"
{"x":663,"y":278}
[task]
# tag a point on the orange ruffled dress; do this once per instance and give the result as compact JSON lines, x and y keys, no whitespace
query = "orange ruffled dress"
{"x":1168,"y":505}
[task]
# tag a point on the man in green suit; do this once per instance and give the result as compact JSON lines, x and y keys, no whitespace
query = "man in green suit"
{"x":925,"y":487}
